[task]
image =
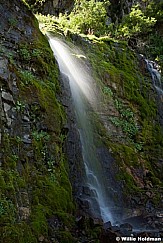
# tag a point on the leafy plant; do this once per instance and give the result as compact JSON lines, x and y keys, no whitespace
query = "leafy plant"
{"x":7,"y":210}
{"x":36,"y":53}
{"x":155,"y":9}
{"x":87,"y":17}
{"x":135,"y":22}
{"x":129,"y":128}
{"x":40,"y":135}
{"x":107,"y":91}
{"x":18,"y":139}
{"x":10,"y":57}
{"x":27,"y":77}
{"x":24,"y":53}
{"x":126,"y":120}
{"x":20,"y":106}
{"x":14,"y":157}
{"x":138,"y":146}
{"x":123,"y":110}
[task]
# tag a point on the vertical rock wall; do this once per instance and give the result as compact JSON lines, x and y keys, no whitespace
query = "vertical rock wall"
{"x":35,"y":189}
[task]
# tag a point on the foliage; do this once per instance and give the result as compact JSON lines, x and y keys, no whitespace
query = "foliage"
{"x":27,"y":77}
{"x":107,"y":91}
{"x":155,"y":9}
{"x":153,"y":48}
{"x":126,"y":121}
{"x":27,"y":54}
{"x":128,"y":127}
{"x":38,"y":136}
{"x":7,"y":211}
{"x":20,"y":106}
{"x":24,"y":52}
{"x":86,"y":17}
{"x":135,"y":23}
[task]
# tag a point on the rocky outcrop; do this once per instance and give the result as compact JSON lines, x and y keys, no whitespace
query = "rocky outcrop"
{"x":52,"y":7}
{"x":33,"y":176}
{"x":120,"y":8}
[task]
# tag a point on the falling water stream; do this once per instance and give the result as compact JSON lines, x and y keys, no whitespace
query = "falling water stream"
{"x":156,"y":76}
{"x":155,"y":73}
{"x":84,"y":96}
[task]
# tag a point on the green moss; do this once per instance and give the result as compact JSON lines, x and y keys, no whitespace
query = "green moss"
{"x":7,"y":211}
{"x":20,"y":232}
{"x":130,"y":186}
{"x":128,"y":154}
{"x":54,"y":113}
{"x":65,"y":237}
{"x":67,"y":219}
{"x":39,"y":221}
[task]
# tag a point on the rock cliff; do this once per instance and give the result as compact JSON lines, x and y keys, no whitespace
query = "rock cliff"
{"x":52,"y":7}
{"x":35,"y":189}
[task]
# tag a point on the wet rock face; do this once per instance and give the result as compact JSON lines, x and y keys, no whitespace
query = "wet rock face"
{"x":73,"y":149}
{"x":72,"y":143}
{"x":114,"y":187}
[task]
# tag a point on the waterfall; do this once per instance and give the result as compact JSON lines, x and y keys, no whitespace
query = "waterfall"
{"x":156,"y":76}
{"x":84,"y":97}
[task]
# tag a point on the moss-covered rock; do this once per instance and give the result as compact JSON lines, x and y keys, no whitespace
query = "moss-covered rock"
{"x":33,"y":173}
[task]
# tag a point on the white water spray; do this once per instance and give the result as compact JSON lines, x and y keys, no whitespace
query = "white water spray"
{"x":84,"y":94}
